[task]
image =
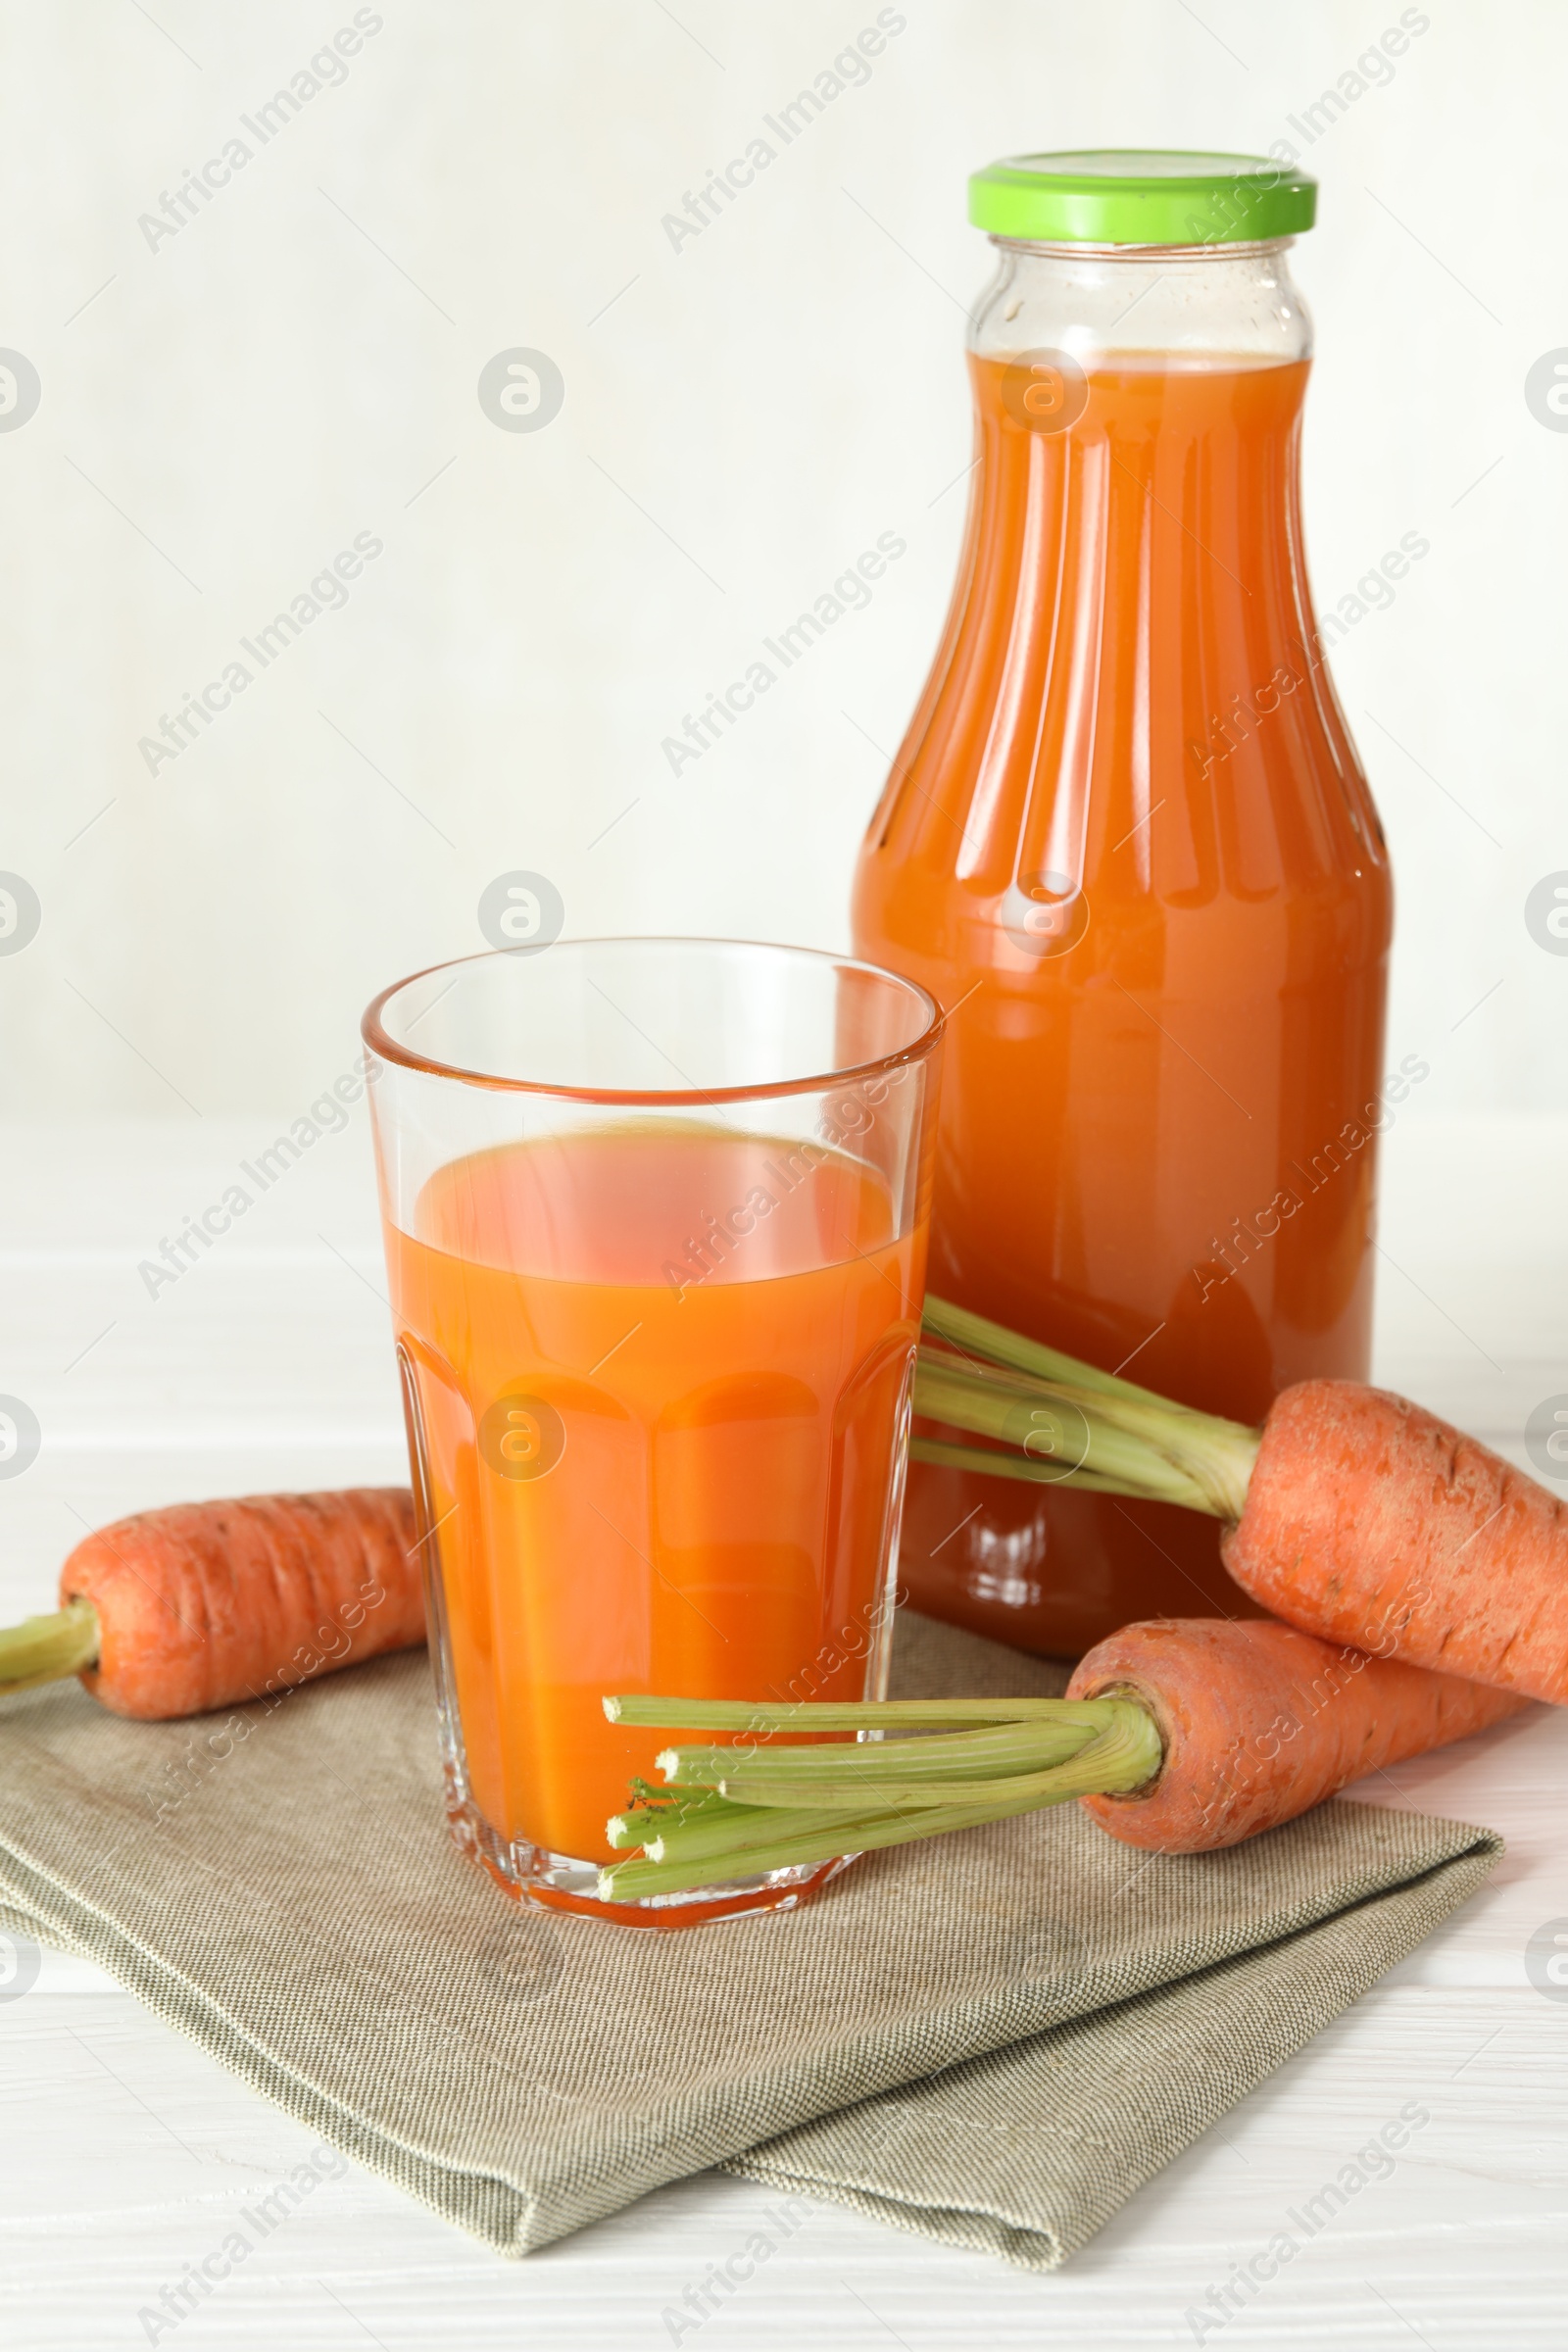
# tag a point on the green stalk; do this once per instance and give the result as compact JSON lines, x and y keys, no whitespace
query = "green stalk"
{"x":1129,"y":1743}
{"x":841,"y":1835}
{"x":655,"y":1811}
{"x":46,"y":1649}
{"x":759,"y":1796}
{"x":653,"y":1797}
{"x":996,"y":1464}
{"x":1125,"y":1757}
{"x":974,"y":1334}
{"x":749,"y":1826}
{"x":951,"y":1756}
{"x":651,"y":1712}
{"x":1126,"y":1440}
{"x":1080,"y":1436}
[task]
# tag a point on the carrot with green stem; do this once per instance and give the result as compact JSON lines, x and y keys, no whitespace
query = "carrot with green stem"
{"x":204,"y":1604}
{"x":1354,"y":1514}
{"x":1179,"y":1736}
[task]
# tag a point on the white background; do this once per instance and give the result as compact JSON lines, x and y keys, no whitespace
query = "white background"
{"x":742,"y":418}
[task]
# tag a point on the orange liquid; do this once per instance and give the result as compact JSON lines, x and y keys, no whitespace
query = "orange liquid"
{"x":1129,"y":697}
{"x":696,"y":1495}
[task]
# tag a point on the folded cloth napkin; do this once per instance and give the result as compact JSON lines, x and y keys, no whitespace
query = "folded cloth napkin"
{"x":992,"y":2038}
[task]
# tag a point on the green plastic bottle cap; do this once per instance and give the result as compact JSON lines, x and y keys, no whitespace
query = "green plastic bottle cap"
{"x":1133,"y":196}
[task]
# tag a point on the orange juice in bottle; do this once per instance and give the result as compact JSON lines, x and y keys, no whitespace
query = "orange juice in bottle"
{"x":1128,"y":843}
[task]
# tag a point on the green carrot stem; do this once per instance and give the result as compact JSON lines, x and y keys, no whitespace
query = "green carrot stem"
{"x":1059,"y":1433}
{"x":995,"y":1463}
{"x":829,"y":1715}
{"x":1149,"y":1484}
{"x":644,"y":1792}
{"x":639,"y":1823}
{"x":654,"y":1796}
{"x":654,"y":1810}
{"x":46,"y":1649}
{"x":1126,"y":1756}
{"x":626,"y":1882}
{"x":1154,"y":1419}
{"x":896,"y":1797}
{"x":1075,"y":1776}
{"x":976,"y":1335}
{"x":1218,"y":1453}
{"x":751,"y":1825}
{"x":1145,"y":1445}
{"x":945,"y":1756}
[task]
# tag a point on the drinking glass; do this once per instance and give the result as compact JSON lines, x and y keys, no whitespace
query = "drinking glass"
{"x":655,"y":1216}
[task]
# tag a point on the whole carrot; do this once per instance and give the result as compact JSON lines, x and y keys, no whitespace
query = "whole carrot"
{"x":1356,"y":1515}
{"x":1180,"y":1737}
{"x":204,"y":1604}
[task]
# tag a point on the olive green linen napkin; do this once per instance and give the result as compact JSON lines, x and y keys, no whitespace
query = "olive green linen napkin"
{"x":992,"y":2038}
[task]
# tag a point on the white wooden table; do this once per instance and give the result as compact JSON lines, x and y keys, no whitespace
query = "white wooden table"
{"x":123,"y":2148}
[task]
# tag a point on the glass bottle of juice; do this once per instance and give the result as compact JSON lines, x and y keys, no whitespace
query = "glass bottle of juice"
{"x":1128,"y":843}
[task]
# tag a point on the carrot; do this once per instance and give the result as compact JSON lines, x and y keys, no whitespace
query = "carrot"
{"x":200,"y":1605}
{"x":1355,"y":1515}
{"x":1258,"y":1723}
{"x":1181,"y":1737}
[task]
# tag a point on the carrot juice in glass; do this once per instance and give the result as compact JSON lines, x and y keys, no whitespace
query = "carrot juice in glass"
{"x":655,"y":1219}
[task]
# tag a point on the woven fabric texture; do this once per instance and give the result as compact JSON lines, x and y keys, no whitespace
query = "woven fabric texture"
{"x":992,"y":2038}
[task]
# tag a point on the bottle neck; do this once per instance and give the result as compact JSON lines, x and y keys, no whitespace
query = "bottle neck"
{"x":1133,"y":619}
{"x":1182,"y":306}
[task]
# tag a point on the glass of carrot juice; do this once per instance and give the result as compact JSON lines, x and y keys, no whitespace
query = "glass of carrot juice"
{"x":655,"y":1218}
